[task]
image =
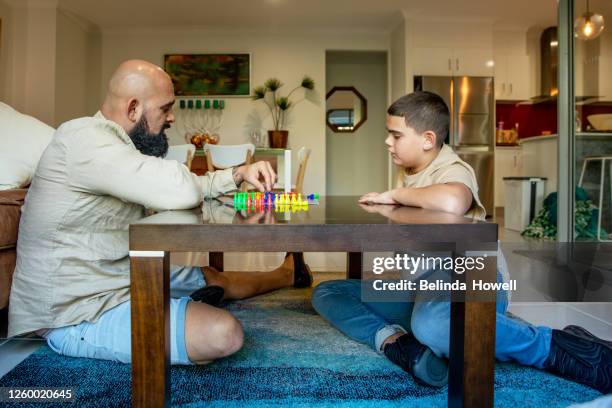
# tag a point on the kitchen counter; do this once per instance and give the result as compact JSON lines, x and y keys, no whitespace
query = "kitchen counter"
{"x":581,"y":135}
{"x":540,"y":154}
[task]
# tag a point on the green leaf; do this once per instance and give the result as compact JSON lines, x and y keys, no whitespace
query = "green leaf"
{"x":308,"y":83}
{"x":273,"y":84}
{"x":259,"y":93}
{"x":283,"y":103}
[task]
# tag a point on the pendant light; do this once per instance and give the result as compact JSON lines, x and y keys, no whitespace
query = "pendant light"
{"x":589,"y":25}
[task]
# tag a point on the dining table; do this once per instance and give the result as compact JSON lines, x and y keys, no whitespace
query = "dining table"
{"x":331,"y":224}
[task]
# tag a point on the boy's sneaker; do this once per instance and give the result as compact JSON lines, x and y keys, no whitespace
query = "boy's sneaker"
{"x":418,"y":360}
{"x":581,"y":359}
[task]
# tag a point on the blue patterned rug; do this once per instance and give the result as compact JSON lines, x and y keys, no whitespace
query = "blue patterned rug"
{"x":291,"y":357}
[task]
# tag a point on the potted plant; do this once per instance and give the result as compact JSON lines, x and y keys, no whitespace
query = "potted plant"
{"x":279,"y":106}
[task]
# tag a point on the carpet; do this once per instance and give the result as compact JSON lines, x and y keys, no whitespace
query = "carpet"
{"x":291,"y":357}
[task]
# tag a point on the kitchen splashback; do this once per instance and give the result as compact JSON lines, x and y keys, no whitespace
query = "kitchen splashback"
{"x":534,"y":119}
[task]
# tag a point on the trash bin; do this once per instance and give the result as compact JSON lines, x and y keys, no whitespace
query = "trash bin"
{"x":524,"y":197}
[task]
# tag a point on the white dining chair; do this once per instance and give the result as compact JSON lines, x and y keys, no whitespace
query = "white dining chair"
{"x":219,"y":157}
{"x":181,"y":153}
{"x":303,"y":156}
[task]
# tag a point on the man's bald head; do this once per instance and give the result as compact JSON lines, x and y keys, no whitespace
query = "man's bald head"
{"x":139,"y":98}
{"x":137,"y":78}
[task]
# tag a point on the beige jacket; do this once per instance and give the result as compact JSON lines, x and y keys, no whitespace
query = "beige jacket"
{"x":72,"y":252}
{"x":447,"y":167}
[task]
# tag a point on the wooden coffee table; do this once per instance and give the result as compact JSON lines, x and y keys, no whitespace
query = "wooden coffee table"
{"x":337,"y":224}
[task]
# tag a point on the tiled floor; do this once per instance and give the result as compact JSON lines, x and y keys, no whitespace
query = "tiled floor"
{"x":595,"y":317}
{"x":13,"y":352}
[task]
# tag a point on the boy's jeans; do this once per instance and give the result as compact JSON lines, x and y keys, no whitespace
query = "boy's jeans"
{"x":339,"y":302}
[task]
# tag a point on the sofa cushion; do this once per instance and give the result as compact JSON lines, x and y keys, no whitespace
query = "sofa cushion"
{"x":10,"y":212}
{"x":22,"y":141}
{"x":7,"y":267}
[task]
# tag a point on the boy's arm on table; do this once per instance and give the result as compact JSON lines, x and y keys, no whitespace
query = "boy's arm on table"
{"x":454,"y":198}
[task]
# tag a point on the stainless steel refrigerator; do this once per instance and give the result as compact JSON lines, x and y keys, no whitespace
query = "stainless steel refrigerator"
{"x":472,"y":136}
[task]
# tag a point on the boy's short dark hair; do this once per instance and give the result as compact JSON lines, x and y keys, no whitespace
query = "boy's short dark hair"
{"x":423,"y":111}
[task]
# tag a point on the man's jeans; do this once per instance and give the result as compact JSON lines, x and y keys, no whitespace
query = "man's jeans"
{"x":339,"y":302}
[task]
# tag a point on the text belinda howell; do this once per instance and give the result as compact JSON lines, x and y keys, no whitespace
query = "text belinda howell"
{"x":441,"y":285}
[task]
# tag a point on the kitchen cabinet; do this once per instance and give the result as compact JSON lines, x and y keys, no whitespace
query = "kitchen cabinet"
{"x":592,"y":66}
{"x":452,"y":62}
{"x":512,"y":77}
{"x":540,"y":159}
{"x":508,"y":163}
{"x":605,"y":79}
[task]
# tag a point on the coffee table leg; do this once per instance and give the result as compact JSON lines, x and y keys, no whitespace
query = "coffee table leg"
{"x":472,"y":349}
{"x":353,"y":265}
{"x":150,"y":303}
{"x":215,"y":259}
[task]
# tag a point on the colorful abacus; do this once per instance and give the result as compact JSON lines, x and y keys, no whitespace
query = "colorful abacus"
{"x":277,"y":201}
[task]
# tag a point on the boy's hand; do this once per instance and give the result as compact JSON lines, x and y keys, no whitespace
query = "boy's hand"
{"x":378,"y":198}
{"x":382,"y":209}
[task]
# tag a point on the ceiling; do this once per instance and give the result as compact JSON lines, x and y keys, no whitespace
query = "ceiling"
{"x":379,"y":15}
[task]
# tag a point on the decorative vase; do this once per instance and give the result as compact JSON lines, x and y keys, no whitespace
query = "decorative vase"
{"x":278,"y":138}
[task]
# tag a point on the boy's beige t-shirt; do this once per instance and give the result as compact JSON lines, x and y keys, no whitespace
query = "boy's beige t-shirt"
{"x":447,"y":167}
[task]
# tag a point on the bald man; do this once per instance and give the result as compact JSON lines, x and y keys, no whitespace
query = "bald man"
{"x":98,"y":174}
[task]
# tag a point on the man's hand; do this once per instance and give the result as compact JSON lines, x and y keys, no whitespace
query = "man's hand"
{"x":378,"y":198}
{"x":255,"y":172}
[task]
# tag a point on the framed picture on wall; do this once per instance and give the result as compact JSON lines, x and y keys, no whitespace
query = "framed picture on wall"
{"x":209,"y":74}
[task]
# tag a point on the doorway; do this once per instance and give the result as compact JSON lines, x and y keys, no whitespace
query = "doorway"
{"x":356,"y":156}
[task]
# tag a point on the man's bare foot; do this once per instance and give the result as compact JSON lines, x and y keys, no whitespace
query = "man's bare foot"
{"x":287,"y":269}
{"x":213,"y":276}
{"x":288,"y":262}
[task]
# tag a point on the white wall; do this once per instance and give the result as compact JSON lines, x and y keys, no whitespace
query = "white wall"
{"x":13,"y":54}
{"x":512,"y":42}
{"x":287,"y":56}
{"x":27,"y":60}
{"x":451,"y":34}
{"x":5,"y":43}
{"x":398,"y":61}
{"x":401,"y":76}
{"x":77,"y":72}
{"x":49,"y":61}
{"x":39,"y":90}
{"x":17,"y":52}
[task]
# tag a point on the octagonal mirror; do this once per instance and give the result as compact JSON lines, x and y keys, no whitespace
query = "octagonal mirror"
{"x":347,"y":109}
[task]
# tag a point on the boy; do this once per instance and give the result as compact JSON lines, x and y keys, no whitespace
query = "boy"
{"x":415,"y":334}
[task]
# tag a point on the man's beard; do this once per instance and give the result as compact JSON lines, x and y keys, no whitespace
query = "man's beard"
{"x":151,"y":144}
